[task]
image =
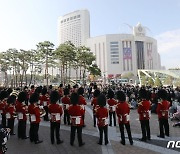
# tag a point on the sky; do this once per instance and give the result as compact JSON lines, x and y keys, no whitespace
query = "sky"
{"x":24,"y":23}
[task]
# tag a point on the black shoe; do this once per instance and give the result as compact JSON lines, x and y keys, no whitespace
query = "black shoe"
{"x":141,"y":139}
{"x":60,"y":141}
{"x":52,"y":142}
{"x":26,"y":137}
{"x":31,"y":140}
{"x":110,"y":124}
{"x":71,"y":144}
{"x":160,"y":136}
{"x":12,"y":134}
{"x":123,"y":143}
{"x":84,"y":125}
{"x":106,"y":142}
{"x":99,"y":143}
{"x":149,"y":139}
{"x":80,"y":145}
{"x":39,"y":141}
{"x":131,"y":142}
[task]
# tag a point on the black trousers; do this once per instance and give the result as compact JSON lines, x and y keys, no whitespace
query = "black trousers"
{"x":46,"y":115}
{"x":94,"y":119}
{"x":55,"y":127}
{"x":163,"y":125}
{"x":145,"y":129}
{"x":66,"y":117}
{"x":105,"y":130}
{"x":128,"y":129}
{"x":33,"y":132}
{"x":112,"y":114}
{"x":21,"y":129}
{"x":10,"y":124}
{"x":3,"y":120}
{"x":79,"y":134}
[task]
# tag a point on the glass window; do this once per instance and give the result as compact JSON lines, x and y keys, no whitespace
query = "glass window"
{"x":67,"y":19}
{"x":78,"y":16}
{"x":114,"y":45}
{"x":71,"y":18}
{"x":114,"y":55}
{"x":64,"y":20}
{"x":113,"y":42}
{"x":74,"y":17}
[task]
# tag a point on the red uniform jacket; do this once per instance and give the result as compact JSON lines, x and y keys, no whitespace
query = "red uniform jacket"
{"x":3,"y":105}
{"x":94,"y":104}
{"x":31,"y":92}
{"x":76,"y":111}
{"x":144,"y":110}
{"x":111,"y":102}
{"x":55,"y":110}
{"x":162,"y":109}
{"x":122,"y":111}
{"x":10,"y":109}
{"x":44,"y":100}
{"x":21,"y":108}
{"x":102,"y":116}
{"x":66,"y":102}
{"x":61,"y":92}
{"x":34,"y":110}
{"x":82,"y":100}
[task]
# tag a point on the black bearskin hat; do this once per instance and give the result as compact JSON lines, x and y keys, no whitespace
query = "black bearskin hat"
{"x":74,"y":98}
{"x":110,"y":93}
{"x":101,"y":100}
{"x":143,"y":93}
{"x":34,"y":98}
{"x":81,"y":91}
{"x":22,"y":96}
{"x":121,"y":96}
{"x":3,"y":94}
{"x":96,"y":93}
{"x":54,"y":97}
{"x":66,"y":91}
{"x":11,"y":99}
{"x":162,"y":94}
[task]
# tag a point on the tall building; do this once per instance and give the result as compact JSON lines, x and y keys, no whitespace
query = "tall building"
{"x":74,"y":27}
{"x":122,"y":53}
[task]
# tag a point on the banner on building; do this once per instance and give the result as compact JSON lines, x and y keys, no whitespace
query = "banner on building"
{"x":127,"y":53}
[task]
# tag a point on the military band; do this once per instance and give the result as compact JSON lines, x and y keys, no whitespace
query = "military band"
{"x":71,"y":109}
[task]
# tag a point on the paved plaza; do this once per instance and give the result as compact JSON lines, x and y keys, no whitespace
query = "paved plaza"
{"x":90,"y":137}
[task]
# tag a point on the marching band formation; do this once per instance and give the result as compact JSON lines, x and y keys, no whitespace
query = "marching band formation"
{"x":107,"y":105}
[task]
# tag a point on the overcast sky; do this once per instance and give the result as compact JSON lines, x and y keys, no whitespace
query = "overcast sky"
{"x":24,"y":23}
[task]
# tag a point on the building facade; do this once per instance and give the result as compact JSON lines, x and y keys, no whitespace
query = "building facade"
{"x":74,"y":27}
{"x":117,"y":54}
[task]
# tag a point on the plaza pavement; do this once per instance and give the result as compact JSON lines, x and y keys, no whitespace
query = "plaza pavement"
{"x":90,"y":137}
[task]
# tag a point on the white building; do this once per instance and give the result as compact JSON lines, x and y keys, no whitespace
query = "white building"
{"x":122,"y":53}
{"x":74,"y":27}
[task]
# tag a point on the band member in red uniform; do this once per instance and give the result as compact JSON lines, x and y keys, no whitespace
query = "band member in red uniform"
{"x":56,"y":112}
{"x":44,"y":101}
{"x":3,"y":104}
{"x":102,"y":117}
{"x":123,"y":111}
{"x":34,"y":112}
{"x":21,"y":110}
{"x":162,"y":111}
{"x":94,"y":104}
{"x":10,"y":113}
{"x":112,"y":107}
{"x":82,"y":101}
{"x":32,"y":90}
{"x":60,"y":90}
{"x":76,"y":113}
{"x":66,"y":102}
{"x":144,"y":115}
